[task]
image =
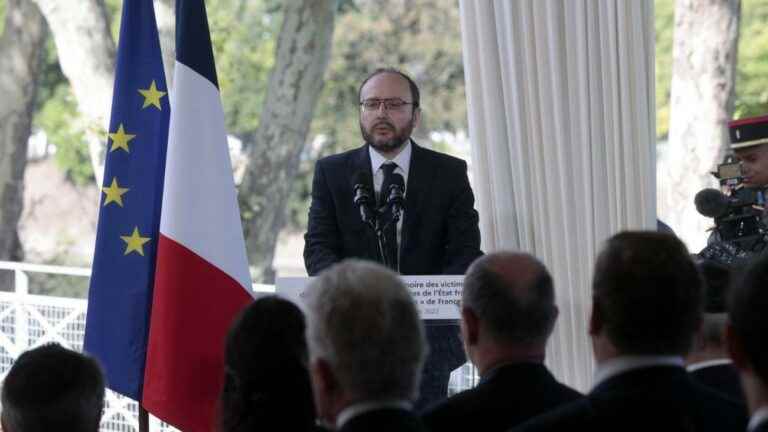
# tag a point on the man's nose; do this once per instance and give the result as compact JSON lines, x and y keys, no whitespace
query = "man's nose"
{"x":381,"y":111}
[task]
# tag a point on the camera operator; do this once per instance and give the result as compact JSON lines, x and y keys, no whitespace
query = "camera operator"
{"x":741,"y":221}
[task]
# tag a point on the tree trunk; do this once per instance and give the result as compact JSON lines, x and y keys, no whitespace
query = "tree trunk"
{"x":21,"y":49}
{"x":86,"y":53}
{"x":702,"y":98}
{"x":302,"y":54}
{"x":165,"y":14}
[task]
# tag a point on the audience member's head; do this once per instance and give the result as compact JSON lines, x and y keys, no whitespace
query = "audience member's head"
{"x":52,"y":388}
{"x":365,"y":338}
{"x":709,"y":342}
{"x":647,"y":296}
{"x":748,"y":331}
{"x":266,"y":381}
{"x":508,"y":309}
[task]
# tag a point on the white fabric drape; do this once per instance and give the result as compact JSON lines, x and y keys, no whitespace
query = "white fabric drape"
{"x":560,"y":98}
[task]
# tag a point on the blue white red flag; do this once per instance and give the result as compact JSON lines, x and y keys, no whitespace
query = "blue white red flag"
{"x":202,"y":279}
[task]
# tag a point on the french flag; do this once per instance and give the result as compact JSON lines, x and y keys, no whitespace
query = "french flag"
{"x":201,"y":277}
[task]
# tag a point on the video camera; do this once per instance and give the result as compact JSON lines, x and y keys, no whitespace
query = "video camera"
{"x":738,"y":214}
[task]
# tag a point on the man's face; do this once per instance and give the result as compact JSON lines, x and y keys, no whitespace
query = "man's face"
{"x":386,"y":130}
{"x":754,"y":165}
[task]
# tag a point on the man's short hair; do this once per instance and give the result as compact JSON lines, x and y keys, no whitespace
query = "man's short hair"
{"x":415,"y":95}
{"x":648,"y":293}
{"x":515,"y":311}
{"x":748,"y":306}
{"x":53,"y":388}
{"x":363,"y":322}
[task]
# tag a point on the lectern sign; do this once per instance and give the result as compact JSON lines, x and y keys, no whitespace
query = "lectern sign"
{"x":437,"y":297}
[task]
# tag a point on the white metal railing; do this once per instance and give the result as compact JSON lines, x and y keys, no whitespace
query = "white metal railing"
{"x":28,"y":320}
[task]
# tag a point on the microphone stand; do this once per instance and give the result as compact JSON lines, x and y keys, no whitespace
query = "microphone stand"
{"x":382,"y":239}
{"x":374,"y":222}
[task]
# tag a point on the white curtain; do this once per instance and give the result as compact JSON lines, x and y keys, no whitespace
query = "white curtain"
{"x":560,"y":98}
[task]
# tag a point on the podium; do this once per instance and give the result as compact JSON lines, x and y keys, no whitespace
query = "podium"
{"x":438,"y":300}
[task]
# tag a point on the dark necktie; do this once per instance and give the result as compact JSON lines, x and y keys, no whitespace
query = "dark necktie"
{"x":386,"y":220}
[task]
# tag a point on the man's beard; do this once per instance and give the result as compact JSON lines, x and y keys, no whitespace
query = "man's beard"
{"x":398,"y":139}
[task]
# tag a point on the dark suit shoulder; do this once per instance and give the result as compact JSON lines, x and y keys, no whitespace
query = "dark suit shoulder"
{"x":762,"y":427}
{"x":340,"y":160}
{"x":625,"y":402}
{"x":724,"y":379}
{"x":442,"y":159}
{"x":510,"y":396}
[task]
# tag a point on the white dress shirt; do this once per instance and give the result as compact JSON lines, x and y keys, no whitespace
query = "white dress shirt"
{"x":403,"y":161}
{"x":704,"y":364}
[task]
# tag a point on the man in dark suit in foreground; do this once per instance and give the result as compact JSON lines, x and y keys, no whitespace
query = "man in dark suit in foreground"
{"x":438,"y":232}
{"x":366,"y":348}
{"x":747,"y":333}
{"x":646,"y":305}
{"x":708,"y":362}
{"x":508,"y":312}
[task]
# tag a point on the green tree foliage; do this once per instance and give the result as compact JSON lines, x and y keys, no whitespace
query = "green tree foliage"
{"x":243,"y":34}
{"x":423,"y":39}
{"x":752,"y":73}
{"x":751,"y":64}
{"x":2,"y":16}
{"x":57,"y":115}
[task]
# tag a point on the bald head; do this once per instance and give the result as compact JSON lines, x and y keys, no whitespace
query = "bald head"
{"x":512,"y":294}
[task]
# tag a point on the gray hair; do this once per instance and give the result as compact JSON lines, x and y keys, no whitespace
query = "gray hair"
{"x":363,"y":322}
{"x":713,"y":330}
{"x":517,"y":308}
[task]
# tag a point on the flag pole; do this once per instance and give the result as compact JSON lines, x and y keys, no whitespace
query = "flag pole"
{"x":143,"y":419}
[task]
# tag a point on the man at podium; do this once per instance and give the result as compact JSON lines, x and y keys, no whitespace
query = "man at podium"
{"x":399,"y":204}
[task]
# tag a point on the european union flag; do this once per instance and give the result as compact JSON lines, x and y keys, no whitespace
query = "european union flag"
{"x":120,"y":296}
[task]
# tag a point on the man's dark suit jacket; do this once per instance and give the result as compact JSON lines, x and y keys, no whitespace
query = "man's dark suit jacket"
{"x":762,"y":427}
{"x":657,"y":398}
{"x":384,"y":420}
{"x":506,"y":397}
{"x":440,"y":235}
{"x":723,"y":378}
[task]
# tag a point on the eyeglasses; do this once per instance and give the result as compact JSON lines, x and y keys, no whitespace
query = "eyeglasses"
{"x":392,"y":104}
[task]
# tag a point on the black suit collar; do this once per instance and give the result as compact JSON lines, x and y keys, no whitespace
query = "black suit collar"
{"x":512,"y":372}
{"x":361,"y":162}
{"x":646,"y":377}
{"x":387,"y":419}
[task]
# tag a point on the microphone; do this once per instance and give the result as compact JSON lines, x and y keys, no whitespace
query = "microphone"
{"x":362,"y":197}
{"x":396,"y":193}
{"x":711,"y":203}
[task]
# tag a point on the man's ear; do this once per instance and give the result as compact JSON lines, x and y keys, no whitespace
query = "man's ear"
{"x":324,"y":389}
{"x":416,"y":117}
{"x":595,"y":320}
{"x":470,"y":328}
{"x":736,"y":349}
{"x":3,"y":426}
